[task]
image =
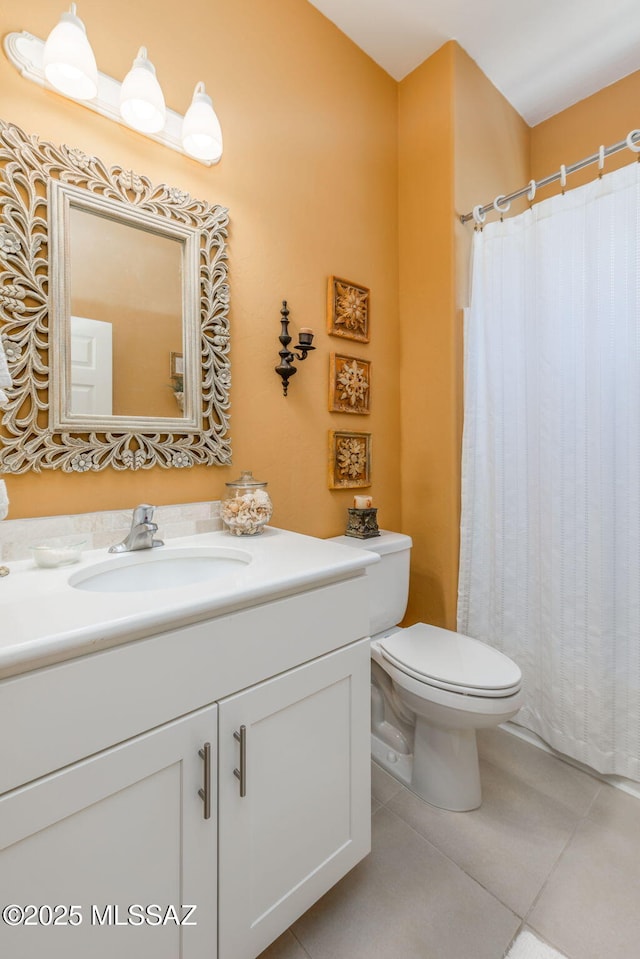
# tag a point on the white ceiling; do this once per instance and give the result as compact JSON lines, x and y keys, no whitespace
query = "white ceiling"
{"x":543,"y":55}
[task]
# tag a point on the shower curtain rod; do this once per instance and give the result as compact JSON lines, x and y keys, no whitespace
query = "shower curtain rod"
{"x":501,"y":204}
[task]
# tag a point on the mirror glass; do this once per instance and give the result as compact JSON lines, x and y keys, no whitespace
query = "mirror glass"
{"x":125,"y":290}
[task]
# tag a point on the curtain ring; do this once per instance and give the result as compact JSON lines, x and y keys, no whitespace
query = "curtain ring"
{"x":478,"y":215}
{"x":531,"y":195}
{"x":634,"y":147}
{"x":600,"y":160}
{"x":563,"y":177}
{"x":505,"y":206}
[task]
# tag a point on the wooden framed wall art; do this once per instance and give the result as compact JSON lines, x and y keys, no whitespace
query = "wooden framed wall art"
{"x":349,"y":459}
{"x":349,"y":384}
{"x":348,"y":310}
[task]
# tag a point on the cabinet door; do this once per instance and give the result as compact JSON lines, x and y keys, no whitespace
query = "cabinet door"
{"x":122,"y":828}
{"x":306,"y":817}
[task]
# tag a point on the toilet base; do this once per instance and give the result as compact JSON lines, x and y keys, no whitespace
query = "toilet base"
{"x":446,"y":772}
{"x":397,"y":764}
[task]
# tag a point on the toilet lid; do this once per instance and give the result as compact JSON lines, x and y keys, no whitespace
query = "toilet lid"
{"x":452,"y":661}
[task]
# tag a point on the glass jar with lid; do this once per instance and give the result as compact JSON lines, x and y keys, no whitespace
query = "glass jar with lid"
{"x":247,"y":508}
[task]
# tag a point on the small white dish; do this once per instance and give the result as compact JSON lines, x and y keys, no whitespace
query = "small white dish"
{"x":58,"y":551}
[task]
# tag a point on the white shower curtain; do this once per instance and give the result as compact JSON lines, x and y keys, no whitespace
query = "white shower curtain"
{"x":550,"y":535}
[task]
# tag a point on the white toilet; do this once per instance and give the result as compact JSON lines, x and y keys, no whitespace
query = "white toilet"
{"x":430,"y":688}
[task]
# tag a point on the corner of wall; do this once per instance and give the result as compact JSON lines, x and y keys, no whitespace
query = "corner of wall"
{"x":427,"y":302}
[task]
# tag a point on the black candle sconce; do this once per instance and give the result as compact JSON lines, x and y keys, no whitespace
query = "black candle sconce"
{"x":285,"y":367}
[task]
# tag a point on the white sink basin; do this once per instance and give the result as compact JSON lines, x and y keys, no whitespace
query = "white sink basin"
{"x":160,"y":568}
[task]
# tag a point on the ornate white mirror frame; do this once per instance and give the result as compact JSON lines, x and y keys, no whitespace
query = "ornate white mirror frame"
{"x":39,"y":430}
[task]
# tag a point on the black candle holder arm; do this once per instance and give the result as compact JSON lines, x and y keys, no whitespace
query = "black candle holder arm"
{"x":285,"y":367}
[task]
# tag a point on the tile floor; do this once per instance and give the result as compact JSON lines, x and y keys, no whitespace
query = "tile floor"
{"x":551,"y":849}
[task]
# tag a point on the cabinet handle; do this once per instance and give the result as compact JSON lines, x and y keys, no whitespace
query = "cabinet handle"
{"x":241,"y":773}
{"x":205,"y":794}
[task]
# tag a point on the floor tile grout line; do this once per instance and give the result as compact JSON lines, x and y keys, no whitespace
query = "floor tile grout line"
{"x":579,"y":821}
{"x":605,"y":779}
{"x":538,"y":935}
{"x":400,"y":785}
{"x":592,"y":803}
{"x":547,"y":942}
{"x":550,"y":874}
{"x":387,"y":801}
{"x":453,"y":862}
{"x":304,"y":949}
{"x":578,"y":816}
{"x":450,"y":858}
{"x":520,"y":929}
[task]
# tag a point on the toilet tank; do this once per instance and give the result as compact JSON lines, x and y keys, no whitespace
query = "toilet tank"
{"x":388,"y":579}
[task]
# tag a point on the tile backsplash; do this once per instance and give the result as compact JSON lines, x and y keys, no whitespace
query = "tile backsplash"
{"x":105,"y":528}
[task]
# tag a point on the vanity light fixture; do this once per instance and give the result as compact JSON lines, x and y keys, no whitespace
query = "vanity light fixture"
{"x":68,"y":60}
{"x":65,"y":63}
{"x":141,"y":100}
{"x":285,"y":367}
{"x":201,"y":132}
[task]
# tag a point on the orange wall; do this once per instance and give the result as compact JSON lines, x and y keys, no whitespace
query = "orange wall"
{"x":492,"y":144}
{"x":458,"y":140}
{"x":309,"y":175}
{"x":427,"y":303}
{"x":605,"y":118}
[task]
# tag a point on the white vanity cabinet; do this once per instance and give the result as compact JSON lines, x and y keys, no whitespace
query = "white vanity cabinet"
{"x":102,"y":778}
{"x":120,"y":829}
{"x":297,"y":817}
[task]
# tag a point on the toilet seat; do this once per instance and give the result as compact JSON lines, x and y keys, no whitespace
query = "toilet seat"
{"x":451,"y":661}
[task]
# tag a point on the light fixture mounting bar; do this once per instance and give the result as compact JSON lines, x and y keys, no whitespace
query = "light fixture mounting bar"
{"x":25,"y":53}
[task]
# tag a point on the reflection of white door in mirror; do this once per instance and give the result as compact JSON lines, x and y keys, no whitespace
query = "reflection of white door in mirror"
{"x":91,"y":366}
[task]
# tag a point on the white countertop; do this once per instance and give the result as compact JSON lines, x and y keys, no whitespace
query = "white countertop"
{"x":44,"y":620}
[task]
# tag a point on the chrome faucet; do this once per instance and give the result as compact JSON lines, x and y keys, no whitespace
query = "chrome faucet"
{"x":140,"y":535}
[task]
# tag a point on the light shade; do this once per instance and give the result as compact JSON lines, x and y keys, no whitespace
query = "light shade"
{"x":201,"y":132}
{"x":141,"y":100}
{"x":68,"y":60}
